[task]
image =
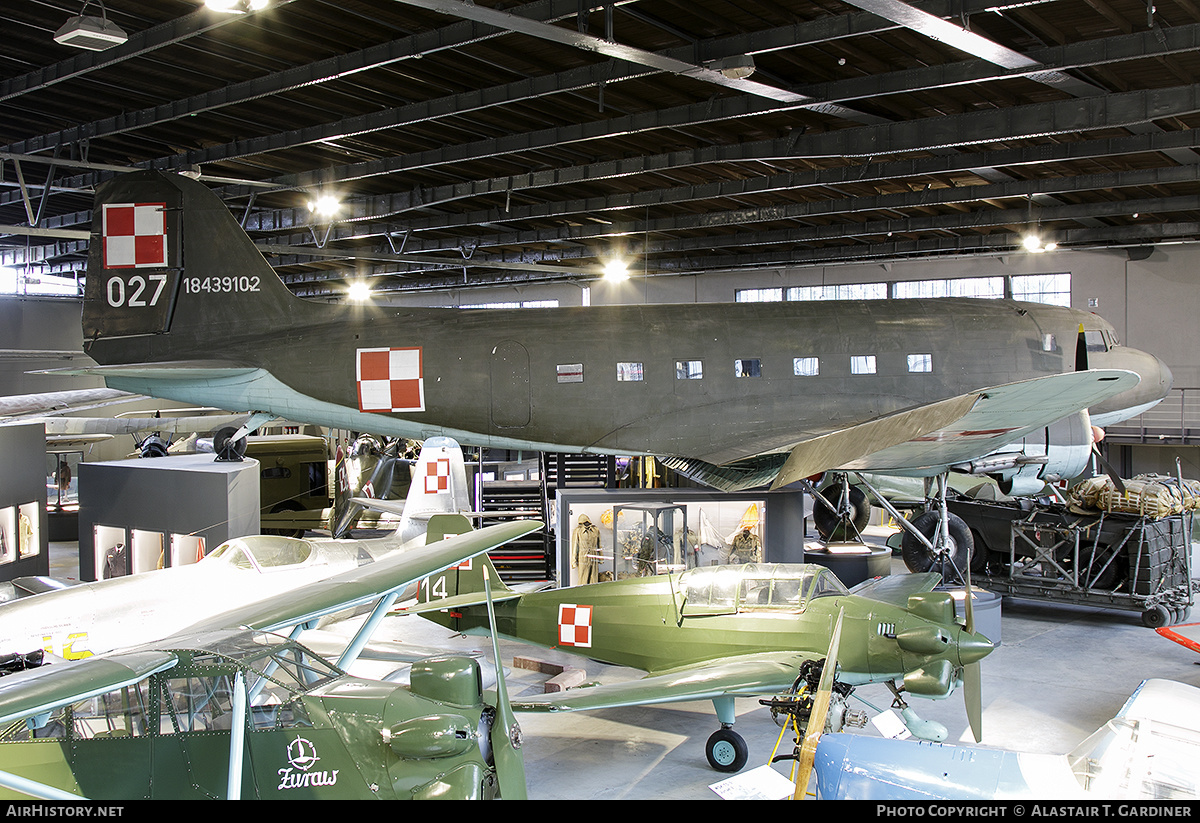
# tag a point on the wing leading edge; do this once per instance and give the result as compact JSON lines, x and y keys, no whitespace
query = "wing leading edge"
{"x":929,"y":439}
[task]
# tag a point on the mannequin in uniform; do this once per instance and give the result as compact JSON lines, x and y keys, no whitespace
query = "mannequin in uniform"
{"x":585,"y":550}
{"x":746,"y":548}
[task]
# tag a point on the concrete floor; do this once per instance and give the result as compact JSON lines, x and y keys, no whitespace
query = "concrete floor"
{"x":1059,"y":673}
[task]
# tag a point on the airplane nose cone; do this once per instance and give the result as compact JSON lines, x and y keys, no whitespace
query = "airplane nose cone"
{"x":972,"y":648}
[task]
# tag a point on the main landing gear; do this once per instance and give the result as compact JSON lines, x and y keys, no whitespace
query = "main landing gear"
{"x":726,"y":750}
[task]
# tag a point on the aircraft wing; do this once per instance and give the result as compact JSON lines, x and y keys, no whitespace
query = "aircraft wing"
{"x":34,"y":691}
{"x":929,"y":439}
{"x":896,"y":589}
{"x":364,"y":584}
{"x":747,"y":675}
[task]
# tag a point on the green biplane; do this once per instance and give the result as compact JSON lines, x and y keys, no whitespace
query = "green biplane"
{"x":234,"y":708}
{"x":721,"y":632}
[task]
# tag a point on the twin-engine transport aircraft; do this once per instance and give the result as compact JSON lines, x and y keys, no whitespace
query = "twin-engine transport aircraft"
{"x":233,"y":708}
{"x":179,"y":304}
{"x":92,"y":618}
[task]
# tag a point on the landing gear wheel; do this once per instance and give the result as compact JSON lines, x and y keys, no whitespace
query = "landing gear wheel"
{"x":1156,"y":617}
{"x":726,"y":751}
{"x":918,"y":558}
{"x":226,"y":448}
{"x":832,"y":527}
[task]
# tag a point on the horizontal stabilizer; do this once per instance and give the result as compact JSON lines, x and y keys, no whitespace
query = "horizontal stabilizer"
{"x":171,"y":370}
{"x":929,"y":439}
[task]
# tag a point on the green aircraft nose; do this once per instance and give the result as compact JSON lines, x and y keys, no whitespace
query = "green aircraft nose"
{"x":972,"y":648}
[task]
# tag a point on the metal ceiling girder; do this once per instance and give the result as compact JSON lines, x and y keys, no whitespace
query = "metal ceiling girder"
{"x":935,"y":28}
{"x":975,"y":221}
{"x":795,"y":255}
{"x":1123,"y":47}
{"x":447,"y":37}
{"x":333,"y":68}
{"x":164,"y":34}
{"x":1032,"y":120}
{"x":893,"y":249}
{"x":599,"y":45}
{"x":1008,"y":190}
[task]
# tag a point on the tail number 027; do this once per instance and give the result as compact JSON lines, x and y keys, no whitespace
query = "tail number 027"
{"x":139,"y":292}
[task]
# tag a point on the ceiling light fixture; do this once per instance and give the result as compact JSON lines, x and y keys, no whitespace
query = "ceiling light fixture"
{"x":92,"y":33}
{"x":325,"y":205}
{"x":738,"y":67}
{"x":1033,"y":243}
{"x":235,"y":6}
{"x":359,"y":291}
{"x":616,"y":271}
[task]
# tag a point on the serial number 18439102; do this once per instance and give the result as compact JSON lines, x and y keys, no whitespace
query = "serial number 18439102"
{"x":220,"y":285}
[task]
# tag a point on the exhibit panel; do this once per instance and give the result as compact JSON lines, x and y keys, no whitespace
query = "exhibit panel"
{"x":144,"y":514}
{"x":618,"y":533}
{"x":23,"y":502}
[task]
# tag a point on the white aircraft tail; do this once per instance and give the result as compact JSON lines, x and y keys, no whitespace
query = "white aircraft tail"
{"x":439,"y":486}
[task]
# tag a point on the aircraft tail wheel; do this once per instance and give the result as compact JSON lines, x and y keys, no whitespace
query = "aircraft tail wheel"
{"x":918,"y":558}
{"x":226,"y":448}
{"x":726,"y":751}
{"x":832,"y":527}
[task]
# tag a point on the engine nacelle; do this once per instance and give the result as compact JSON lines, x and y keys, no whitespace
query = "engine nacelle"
{"x":1061,"y":451}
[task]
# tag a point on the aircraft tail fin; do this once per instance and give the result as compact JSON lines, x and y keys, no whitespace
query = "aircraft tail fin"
{"x":454,"y":597}
{"x":438,"y":487}
{"x":168,"y":258}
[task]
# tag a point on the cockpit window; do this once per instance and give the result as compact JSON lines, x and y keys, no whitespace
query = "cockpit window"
{"x":1096,"y":340}
{"x":756,"y":587}
{"x":263,"y":552}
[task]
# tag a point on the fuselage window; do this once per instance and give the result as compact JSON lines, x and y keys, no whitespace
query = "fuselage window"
{"x":1049,"y":343}
{"x":570,"y":373}
{"x":806,"y":366}
{"x":920,"y":362}
{"x":689,"y":369}
{"x":629,"y":372}
{"x":862,"y":364}
{"x":747,"y":368}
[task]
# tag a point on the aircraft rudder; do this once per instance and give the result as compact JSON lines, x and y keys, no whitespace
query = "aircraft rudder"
{"x":439,"y":479}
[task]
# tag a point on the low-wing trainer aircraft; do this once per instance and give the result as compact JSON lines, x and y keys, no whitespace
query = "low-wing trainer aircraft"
{"x":1147,"y":752}
{"x":721,"y":632}
{"x":232,"y":708}
{"x":91,"y":618}
{"x":180,"y":304}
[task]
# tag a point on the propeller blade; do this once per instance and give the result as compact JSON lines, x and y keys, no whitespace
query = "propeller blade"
{"x":506,"y":733}
{"x":816,"y":720}
{"x":973,"y":694}
{"x":972,"y":676}
{"x":1109,"y":469}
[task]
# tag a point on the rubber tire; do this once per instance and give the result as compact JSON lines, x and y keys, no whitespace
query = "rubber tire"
{"x":918,"y":558}
{"x":1156,"y":617}
{"x":286,"y":506}
{"x":227,"y":449}
{"x":829,"y":525}
{"x":726,"y":751}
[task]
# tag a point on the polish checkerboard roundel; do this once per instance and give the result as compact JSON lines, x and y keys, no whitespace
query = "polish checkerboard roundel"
{"x":390,"y":380}
{"x":135,"y":235}
{"x":574,"y":625}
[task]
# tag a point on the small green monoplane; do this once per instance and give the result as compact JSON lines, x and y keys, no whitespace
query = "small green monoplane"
{"x":232,"y":708}
{"x":722,"y":632}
